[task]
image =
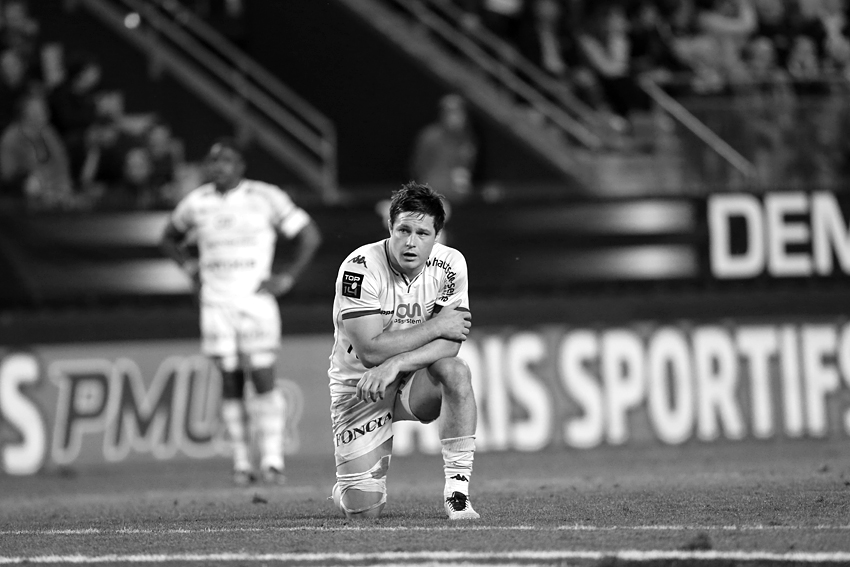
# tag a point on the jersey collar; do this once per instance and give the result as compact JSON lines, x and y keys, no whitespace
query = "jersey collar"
{"x":231,"y":191}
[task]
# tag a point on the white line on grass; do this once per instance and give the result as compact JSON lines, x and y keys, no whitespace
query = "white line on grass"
{"x":454,"y":556}
{"x":563,"y":528}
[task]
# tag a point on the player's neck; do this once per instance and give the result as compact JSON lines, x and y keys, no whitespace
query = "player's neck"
{"x":408,"y":275}
{"x":228,"y":186}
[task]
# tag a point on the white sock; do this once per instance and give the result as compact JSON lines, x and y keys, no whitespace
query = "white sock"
{"x":233,"y":416}
{"x":270,"y":416}
{"x":458,"y":454}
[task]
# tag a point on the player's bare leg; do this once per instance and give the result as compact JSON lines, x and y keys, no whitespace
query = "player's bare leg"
{"x":450,"y":396}
{"x":360,"y":491}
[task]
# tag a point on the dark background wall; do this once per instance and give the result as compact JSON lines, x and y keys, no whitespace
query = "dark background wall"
{"x":377,"y":96}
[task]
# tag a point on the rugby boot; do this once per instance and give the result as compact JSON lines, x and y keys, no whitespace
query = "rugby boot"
{"x":273,"y":475}
{"x":458,"y":507}
{"x":243,"y":477}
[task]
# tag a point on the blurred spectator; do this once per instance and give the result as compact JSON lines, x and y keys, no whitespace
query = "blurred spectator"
{"x":605,"y":44}
{"x":775,"y":21}
{"x":544,"y":37}
{"x":20,"y":32}
{"x":167,"y":158}
{"x":764,"y":73}
{"x":804,"y":67}
{"x":833,"y":20}
{"x":729,"y":24}
{"x":445,"y":152}
{"x":767,"y":103}
{"x":14,"y":84}
{"x":111,"y":106}
{"x":33,"y":161}
{"x":136,"y":189}
{"x":73,"y":107}
{"x":53,"y":70}
{"x":651,"y":39}
{"x":692,"y":49}
{"x":109,"y":139}
{"x":709,"y":36}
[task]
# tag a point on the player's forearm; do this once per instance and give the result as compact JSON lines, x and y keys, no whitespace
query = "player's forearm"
{"x":424,"y":355}
{"x":171,"y":248}
{"x":309,"y":240}
{"x":393,"y":343}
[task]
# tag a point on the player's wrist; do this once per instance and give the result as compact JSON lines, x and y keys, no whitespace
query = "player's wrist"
{"x":438,"y":329}
{"x":393,"y":365}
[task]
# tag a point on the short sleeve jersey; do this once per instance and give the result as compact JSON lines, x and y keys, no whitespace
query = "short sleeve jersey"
{"x":367,"y":284}
{"x":236,"y":233}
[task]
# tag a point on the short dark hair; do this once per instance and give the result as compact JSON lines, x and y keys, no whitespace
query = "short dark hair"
{"x":418,"y":198}
{"x":226,"y":142}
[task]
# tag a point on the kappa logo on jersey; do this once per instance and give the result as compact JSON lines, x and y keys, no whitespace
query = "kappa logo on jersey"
{"x":351,"y":284}
{"x":358,"y":260}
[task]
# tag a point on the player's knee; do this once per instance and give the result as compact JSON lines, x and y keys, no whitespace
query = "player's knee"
{"x":452,"y":372}
{"x":363,"y":495}
{"x":370,"y":514}
{"x":357,"y":504}
{"x":227,"y":363}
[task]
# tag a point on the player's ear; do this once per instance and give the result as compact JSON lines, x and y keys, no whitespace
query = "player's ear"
{"x":390,"y":225}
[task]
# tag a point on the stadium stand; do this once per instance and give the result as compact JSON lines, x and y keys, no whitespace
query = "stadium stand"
{"x":584,"y":206}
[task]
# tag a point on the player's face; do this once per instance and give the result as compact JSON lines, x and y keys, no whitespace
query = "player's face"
{"x":411,"y":239}
{"x":225,"y":167}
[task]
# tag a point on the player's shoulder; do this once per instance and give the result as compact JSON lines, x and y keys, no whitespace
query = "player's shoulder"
{"x":262,"y":187}
{"x":442,"y":255}
{"x":202,"y":190}
{"x":368,"y":256}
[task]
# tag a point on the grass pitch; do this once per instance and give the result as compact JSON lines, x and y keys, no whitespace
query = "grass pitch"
{"x":743,"y":503}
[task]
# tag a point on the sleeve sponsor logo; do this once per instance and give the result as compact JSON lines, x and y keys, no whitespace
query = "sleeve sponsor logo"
{"x":358,"y":260}
{"x":352,"y":284}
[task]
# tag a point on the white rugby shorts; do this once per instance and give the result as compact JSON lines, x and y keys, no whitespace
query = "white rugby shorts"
{"x":244,"y":325}
{"x":360,"y":427}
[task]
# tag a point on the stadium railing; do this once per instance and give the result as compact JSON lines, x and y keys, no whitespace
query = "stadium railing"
{"x":260,"y":106}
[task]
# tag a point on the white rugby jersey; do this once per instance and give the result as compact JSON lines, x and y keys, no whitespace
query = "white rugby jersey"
{"x":367,"y":284}
{"x":236,"y":233}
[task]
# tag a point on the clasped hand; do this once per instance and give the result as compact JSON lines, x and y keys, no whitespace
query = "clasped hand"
{"x":374,"y":383}
{"x":454,"y":324}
